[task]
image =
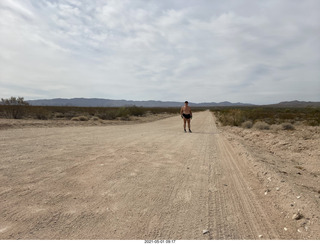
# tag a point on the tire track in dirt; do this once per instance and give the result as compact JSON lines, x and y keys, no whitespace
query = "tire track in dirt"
{"x":240,"y":214}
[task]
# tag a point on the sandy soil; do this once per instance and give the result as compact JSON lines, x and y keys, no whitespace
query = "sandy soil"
{"x":151,"y":181}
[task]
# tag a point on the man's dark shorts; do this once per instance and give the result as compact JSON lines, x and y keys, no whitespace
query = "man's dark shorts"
{"x":187,"y":116}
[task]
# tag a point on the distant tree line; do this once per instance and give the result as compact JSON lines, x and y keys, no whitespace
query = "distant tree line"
{"x":14,"y":101}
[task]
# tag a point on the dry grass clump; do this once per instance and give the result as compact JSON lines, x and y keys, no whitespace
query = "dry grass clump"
{"x":247,"y":124}
{"x":58,"y":115}
{"x":95,"y":118}
{"x":80,"y":118}
{"x":260,"y":125}
{"x":275,"y":127}
{"x":41,"y":114}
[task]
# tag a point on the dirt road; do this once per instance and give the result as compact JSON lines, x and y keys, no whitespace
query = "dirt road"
{"x":144,"y":181}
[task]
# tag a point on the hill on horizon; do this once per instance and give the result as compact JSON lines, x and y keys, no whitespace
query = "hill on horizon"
{"x":296,"y":104}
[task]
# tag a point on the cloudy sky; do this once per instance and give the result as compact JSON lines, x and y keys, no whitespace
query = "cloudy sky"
{"x":171,"y":50}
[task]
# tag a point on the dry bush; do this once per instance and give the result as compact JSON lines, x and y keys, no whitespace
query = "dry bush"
{"x":123,"y":113}
{"x":108,"y":115}
{"x":287,"y":126}
{"x":260,"y":125}
{"x":247,"y":124}
{"x":13,"y":111}
{"x":13,"y":108}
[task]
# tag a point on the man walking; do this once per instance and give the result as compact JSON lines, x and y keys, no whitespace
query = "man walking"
{"x":186,"y":114}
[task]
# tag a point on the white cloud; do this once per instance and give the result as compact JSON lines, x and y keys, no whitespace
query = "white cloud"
{"x":17,"y":8}
{"x":173,"y":50}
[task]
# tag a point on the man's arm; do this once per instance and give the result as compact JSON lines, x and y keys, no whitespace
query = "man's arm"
{"x":181,"y":112}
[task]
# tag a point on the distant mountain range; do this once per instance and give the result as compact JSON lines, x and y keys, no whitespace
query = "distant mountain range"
{"x":98,"y":102}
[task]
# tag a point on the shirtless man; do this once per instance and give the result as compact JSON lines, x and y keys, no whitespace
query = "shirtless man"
{"x":186,"y":114}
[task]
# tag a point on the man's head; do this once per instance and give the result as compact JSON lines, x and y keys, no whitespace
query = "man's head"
{"x":186,"y":102}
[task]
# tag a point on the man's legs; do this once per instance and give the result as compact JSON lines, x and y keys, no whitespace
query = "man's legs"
{"x":184,"y":123}
{"x":189,"y":126}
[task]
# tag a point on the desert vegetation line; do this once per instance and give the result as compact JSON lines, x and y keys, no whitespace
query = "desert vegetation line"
{"x":263,"y":117}
{"x":260,"y":117}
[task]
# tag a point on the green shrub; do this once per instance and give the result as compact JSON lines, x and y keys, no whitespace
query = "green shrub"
{"x":233,"y":117}
{"x":123,"y":112}
{"x":136,"y":111}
